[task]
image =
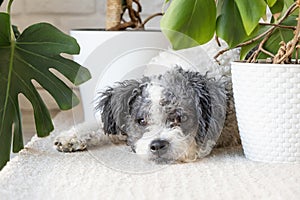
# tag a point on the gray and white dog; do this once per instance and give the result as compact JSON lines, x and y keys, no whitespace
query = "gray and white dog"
{"x":178,"y":116}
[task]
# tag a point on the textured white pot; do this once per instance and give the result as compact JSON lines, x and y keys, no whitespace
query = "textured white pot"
{"x":113,"y":56}
{"x":267,"y":101}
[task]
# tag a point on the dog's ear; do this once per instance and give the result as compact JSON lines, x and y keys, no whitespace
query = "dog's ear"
{"x":210,"y":100}
{"x":114,"y":104}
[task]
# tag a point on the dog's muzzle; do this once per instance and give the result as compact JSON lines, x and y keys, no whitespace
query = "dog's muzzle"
{"x":159,"y":147}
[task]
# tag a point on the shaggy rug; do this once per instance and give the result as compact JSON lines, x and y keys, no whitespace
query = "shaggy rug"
{"x":113,"y":172}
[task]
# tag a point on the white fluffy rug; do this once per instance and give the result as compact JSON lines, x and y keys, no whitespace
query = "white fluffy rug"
{"x":111,"y":172}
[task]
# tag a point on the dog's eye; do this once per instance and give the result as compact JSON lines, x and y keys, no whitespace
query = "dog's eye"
{"x":142,"y":122}
{"x":184,"y":118}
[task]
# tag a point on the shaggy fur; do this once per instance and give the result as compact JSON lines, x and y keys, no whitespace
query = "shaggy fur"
{"x":177,"y":116}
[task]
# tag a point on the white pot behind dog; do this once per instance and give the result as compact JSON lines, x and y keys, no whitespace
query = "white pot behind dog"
{"x":100,"y":51}
{"x":113,"y":56}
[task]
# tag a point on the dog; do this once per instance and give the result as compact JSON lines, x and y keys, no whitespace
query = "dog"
{"x":178,"y":116}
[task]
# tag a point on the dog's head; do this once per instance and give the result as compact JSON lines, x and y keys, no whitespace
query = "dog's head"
{"x":177,"y":116}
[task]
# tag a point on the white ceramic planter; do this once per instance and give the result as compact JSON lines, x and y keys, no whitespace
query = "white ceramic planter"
{"x":114,"y":56}
{"x":267,"y":101}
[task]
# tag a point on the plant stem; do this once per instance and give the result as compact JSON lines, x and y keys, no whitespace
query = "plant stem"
{"x":12,"y":44}
{"x":11,"y":61}
{"x":268,"y":53}
{"x":8,"y":10}
{"x":149,"y":18}
{"x":113,"y":13}
{"x":278,"y":25}
{"x":9,"y":6}
{"x":134,"y":15}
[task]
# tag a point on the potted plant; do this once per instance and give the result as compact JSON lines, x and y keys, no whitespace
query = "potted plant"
{"x":266,"y":82}
{"x":27,"y":57}
{"x":124,"y":33}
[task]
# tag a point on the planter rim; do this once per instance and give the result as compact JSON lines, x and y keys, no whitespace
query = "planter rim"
{"x":270,"y":65}
{"x":103,"y":30}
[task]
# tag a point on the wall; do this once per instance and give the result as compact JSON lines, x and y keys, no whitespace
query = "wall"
{"x":70,"y":14}
{"x":66,"y":15}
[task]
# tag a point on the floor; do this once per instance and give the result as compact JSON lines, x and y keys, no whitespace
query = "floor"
{"x":29,"y":127}
{"x":26,"y":138}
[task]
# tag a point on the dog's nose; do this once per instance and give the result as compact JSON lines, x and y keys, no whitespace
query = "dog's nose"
{"x":159,"y":146}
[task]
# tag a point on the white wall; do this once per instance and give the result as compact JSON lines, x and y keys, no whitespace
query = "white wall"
{"x":70,"y":14}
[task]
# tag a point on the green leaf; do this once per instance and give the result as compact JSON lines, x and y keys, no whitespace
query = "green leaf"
{"x":219,"y":7}
{"x":277,"y":7}
{"x":189,"y":23}
{"x":271,"y":2}
{"x":17,"y":135}
{"x":251,"y":12}
{"x":229,"y":24}
{"x":247,"y":48}
{"x":286,"y":5}
{"x":4,"y":30}
{"x":30,"y":58}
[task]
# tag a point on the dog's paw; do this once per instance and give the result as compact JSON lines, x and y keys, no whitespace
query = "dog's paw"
{"x":69,"y":143}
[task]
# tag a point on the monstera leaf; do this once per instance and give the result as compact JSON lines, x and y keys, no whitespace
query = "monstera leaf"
{"x":27,"y":59}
